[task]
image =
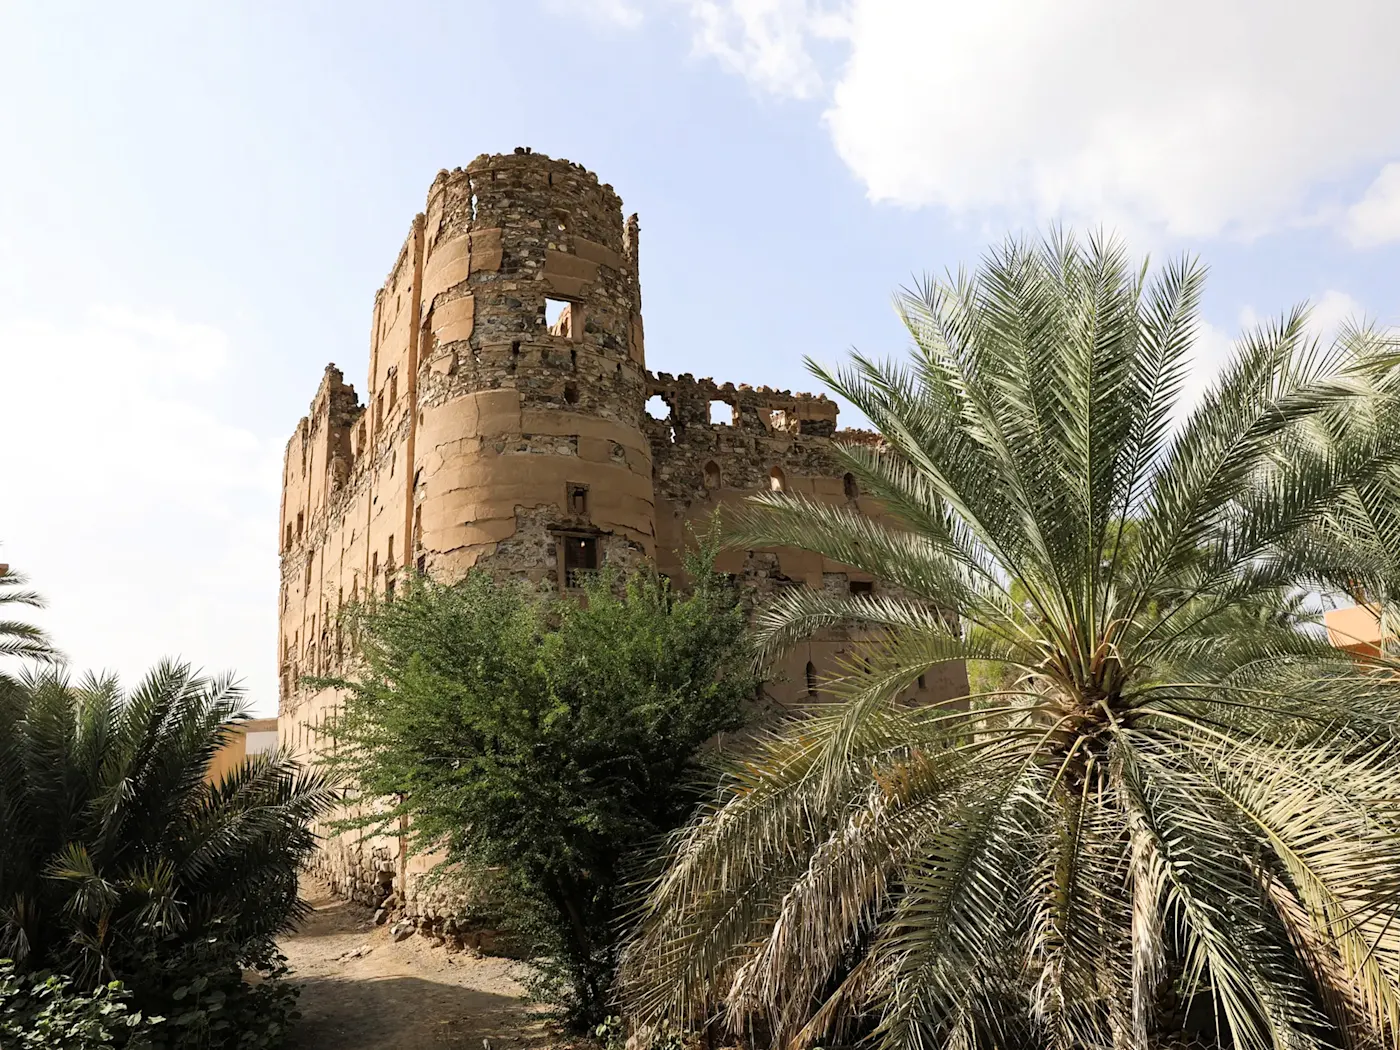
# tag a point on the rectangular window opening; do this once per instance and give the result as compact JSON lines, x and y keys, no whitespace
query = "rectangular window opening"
{"x":559,"y":317}
{"x":578,"y":500}
{"x":721,"y":413}
{"x":580,"y":558}
{"x":862,"y":587}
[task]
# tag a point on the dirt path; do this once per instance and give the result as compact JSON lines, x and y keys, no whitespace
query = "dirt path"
{"x":359,"y":989}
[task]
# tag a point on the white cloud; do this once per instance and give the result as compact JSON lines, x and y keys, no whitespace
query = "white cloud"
{"x":1210,"y":353}
{"x":138,"y":511}
{"x":766,"y":41}
{"x":1375,"y":218}
{"x":1215,"y":346}
{"x":1331,"y":310}
{"x":1195,"y":118}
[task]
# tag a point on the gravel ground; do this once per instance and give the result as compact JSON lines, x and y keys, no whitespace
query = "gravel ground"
{"x":361,"y":990}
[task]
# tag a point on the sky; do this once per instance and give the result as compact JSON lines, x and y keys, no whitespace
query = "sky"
{"x":197,"y":202}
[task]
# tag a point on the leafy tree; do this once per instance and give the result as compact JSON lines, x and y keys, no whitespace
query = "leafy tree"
{"x":122,"y":862}
{"x":1177,"y":811}
{"x":544,"y":738}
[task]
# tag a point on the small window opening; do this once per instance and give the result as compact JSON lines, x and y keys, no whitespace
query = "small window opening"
{"x":422,"y":565}
{"x":921,"y":681}
{"x":578,"y":499}
{"x":849,"y":483}
{"x":418,"y":527}
{"x":722,"y":413}
{"x":556,"y":316}
{"x":389,"y":589}
{"x":862,"y":587}
{"x":389,"y":561}
{"x":777,"y":481}
{"x":288,"y":544}
{"x":473,"y":207}
{"x":573,"y":360}
{"x":378,"y":412}
{"x":393,"y":389}
{"x":712,"y":478}
{"x":301,"y":519}
{"x":515,"y":348}
{"x":571,"y":393}
{"x":580,"y":557}
{"x":374,"y":567}
{"x":657,"y":407}
{"x":811,"y":679}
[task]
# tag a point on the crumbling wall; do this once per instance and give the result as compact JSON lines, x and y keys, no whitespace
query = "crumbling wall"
{"x":488,"y":436}
{"x":494,"y":433}
{"x":720,"y":443}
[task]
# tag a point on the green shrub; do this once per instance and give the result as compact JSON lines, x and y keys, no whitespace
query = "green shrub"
{"x":42,"y":1011}
{"x":209,"y":999}
{"x":551,"y":739}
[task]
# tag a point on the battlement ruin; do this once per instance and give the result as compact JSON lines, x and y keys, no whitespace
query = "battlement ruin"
{"x":509,"y":422}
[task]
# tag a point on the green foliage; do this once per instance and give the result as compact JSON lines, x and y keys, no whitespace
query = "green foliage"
{"x":544,"y":737}
{"x":1174,"y":807}
{"x":41,"y":1011}
{"x":19,"y":638}
{"x":217,"y":994}
{"x":121,"y":862}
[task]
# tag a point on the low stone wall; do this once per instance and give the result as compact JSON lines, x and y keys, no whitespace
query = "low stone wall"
{"x":422,"y":899}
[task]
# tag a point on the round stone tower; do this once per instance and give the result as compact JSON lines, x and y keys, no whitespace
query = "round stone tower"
{"x":529,"y":455}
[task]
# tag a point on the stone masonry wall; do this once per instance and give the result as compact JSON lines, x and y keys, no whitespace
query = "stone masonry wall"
{"x":504,"y":420}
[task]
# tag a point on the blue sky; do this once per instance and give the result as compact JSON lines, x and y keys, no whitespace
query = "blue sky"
{"x":198,"y":201}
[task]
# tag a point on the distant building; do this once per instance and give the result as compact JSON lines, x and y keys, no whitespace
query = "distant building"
{"x":1356,"y":629}
{"x":254,"y":737}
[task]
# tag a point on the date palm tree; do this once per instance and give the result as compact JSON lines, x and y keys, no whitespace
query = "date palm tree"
{"x":19,"y":638}
{"x":118,"y":849}
{"x":1177,"y":813}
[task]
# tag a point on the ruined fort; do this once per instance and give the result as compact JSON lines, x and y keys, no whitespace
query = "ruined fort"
{"x":505,"y":426}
